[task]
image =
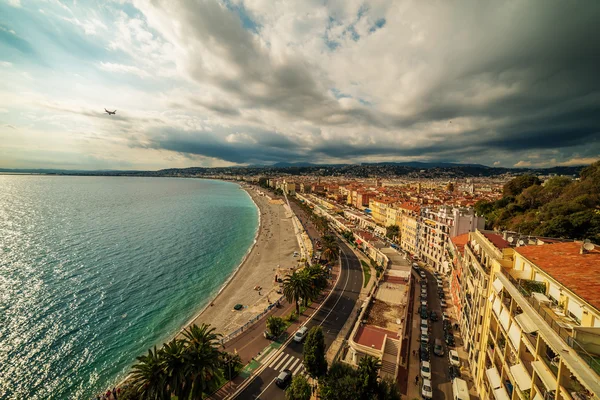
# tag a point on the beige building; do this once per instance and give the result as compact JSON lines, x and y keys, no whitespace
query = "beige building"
{"x":531,"y":318}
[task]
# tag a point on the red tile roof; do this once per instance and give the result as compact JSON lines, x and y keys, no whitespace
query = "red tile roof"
{"x":460,"y":241}
{"x":580,"y":273}
{"x":373,"y":336}
{"x":496,"y":240}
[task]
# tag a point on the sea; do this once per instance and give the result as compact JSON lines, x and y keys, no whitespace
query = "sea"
{"x":96,"y":270}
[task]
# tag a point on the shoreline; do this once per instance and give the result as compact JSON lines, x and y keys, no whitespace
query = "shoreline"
{"x":235,"y":272}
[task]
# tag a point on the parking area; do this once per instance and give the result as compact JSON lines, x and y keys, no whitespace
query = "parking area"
{"x":435,"y":342}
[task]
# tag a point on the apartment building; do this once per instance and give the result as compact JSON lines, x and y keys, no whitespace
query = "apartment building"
{"x":530,"y":318}
{"x":409,"y":238}
{"x":363,"y":199}
{"x":379,"y":208}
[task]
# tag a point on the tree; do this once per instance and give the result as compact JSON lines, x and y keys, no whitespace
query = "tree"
{"x":314,"y":352}
{"x":331,"y":249}
{"x":340,"y":383}
{"x":368,"y":371}
{"x":203,"y":358}
{"x":318,"y":278}
{"x":174,"y":362}
{"x":295,"y":287}
{"x":515,"y":186}
{"x":392,"y":231}
{"x":148,"y":378}
{"x":299,"y":389}
{"x":231,"y":363}
{"x":388,"y":390}
{"x":276,"y":326}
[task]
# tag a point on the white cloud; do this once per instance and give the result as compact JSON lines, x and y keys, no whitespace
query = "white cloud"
{"x":580,"y":161}
{"x":523,"y":164}
{"x":124,"y":69}
{"x":14,"y":3}
{"x":496,"y":163}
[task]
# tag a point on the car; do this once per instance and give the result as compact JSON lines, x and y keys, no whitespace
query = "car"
{"x":424,"y":338}
{"x":450,"y":340}
{"x":438,"y":348}
{"x":424,"y":324}
{"x":443,"y":303}
{"x":424,"y":352}
{"x":433,"y":316}
{"x":422,"y":274}
{"x":267,"y":334}
{"x":454,"y":359}
{"x":423,"y":312}
{"x":238,"y":307}
{"x":423,"y":281}
{"x":416,"y":267}
{"x":284,"y":378}
{"x":426,"y":390}
{"x":423,"y":303}
{"x":442,"y":296}
{"x":300,"y":334}
{"x":445,"y":316}
{"x":454,"y":372}
{"x":425,"y":370}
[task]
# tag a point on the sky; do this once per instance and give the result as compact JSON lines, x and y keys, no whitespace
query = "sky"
{"x":244,"y":82}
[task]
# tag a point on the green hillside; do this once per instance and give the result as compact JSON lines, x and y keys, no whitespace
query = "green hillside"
{"x":561,"y":207}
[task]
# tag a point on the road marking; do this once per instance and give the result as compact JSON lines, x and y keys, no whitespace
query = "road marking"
{"x":281,"y":362}
{"x":338,"y":300}
{"x":298,"y":368}
{"x":277,"y":358}
{"x":294,"y":364}
{"x":287,"y":363}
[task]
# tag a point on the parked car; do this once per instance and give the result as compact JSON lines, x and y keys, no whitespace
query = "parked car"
{"x":423,"y":303}
{"x":454,"y":372}
{"x":425,"y":370}
{"x":284,"y":378}
{"x":450,"y":340}
{"x":422,"y":274}
{"x":433,"y":316}
{"x":426,"y":390}
{"x":424,"y":338}
{"x":438,"y":348}
{"x":442,"y":296}
{"x":423,"y":312}
{"x":267,"y":334}
{"x":445,"y":316}
{"x":424,"y":324}
{"x":454,"y":359}
{"x":443,"y":303}
{"x":300,"y":334}
{"x":424,"y":352}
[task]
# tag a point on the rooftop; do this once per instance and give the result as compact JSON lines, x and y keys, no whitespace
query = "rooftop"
{"x":580,"y":273}
{"x":460,"y":241}
{"x":497,"y":240}
{"x":373,"y":336}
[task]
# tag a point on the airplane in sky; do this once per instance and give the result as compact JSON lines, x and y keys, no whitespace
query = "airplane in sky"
{"x":110,"y":112}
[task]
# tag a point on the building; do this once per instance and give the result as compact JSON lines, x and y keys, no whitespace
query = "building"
{"x":531,"y":318}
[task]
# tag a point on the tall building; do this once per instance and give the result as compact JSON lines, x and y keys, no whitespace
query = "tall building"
{"x":530,"y":318}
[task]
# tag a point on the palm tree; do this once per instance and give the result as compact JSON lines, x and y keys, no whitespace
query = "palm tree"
{"x":231,"y":362}
{"x":203,"y":359}
{"x":318,"y":278}
{"x":148,"y":378}
{"x":297,"y":286}
{"x":368,"y":371}
{"x":331,"y":249}
{"x":175,"y":365}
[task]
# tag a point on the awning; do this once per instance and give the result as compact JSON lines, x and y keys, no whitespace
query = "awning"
{"x":515,"y":335}
{"x":505,"y":318}
{"x":500,"y":394}
{"x":540,"y":297}
{"x":526,"y":323}
{"x":498,"y":285}
{"x":521,"y":376}
{"x":520,"y":274}
{"x":494,"y":377}
{"x":544,"y":374}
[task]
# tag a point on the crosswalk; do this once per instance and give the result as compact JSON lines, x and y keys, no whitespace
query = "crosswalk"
{"x":287,"y":361}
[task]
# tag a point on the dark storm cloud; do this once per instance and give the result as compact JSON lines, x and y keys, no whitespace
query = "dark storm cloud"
{"x":527,"y":69}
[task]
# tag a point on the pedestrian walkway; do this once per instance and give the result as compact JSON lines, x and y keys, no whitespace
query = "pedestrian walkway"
{"x":287,"y":361}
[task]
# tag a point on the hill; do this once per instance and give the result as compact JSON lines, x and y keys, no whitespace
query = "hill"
{"x":560,"y":207}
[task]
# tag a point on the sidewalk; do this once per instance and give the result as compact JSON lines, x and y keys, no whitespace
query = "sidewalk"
{"x":252,"y":346}
{"x":407,"y":382}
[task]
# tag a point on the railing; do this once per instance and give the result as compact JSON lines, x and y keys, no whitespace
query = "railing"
{"x":252,"y":321}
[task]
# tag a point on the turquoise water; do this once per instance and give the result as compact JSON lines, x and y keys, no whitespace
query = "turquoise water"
{"x":95,"y":270}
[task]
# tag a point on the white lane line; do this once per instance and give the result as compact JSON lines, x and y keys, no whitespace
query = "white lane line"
{"x":298,"y":368}
{"x":276,"y":359}
{"x":287,"y":363}
{"x":338,"y":300}
{"x":281,"y":362}
{"x":294,"y":364}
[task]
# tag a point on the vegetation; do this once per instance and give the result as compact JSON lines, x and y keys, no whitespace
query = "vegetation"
{"x":392,"y":232}
{"x":305,"y":285}
{"x":299,"y":389}
{"x":366,"y":273}
{"x":188,"y":368}
{"x":276,"y":326}
{"x":314,"y":352}
{"x":349,"y":236}
{"x":344,"y":382}
{"x":320,"y":222}
{"x":331,"y":249}
{"x":560,"y":207}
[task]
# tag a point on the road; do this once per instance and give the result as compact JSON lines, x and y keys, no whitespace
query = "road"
{"x":331,"y":317}
{"x":441,"y":384}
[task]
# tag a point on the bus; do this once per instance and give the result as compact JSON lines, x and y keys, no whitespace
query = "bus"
{"x":460,"y":390}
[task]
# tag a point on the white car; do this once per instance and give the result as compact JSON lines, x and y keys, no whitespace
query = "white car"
{"x":424,"y":338}
{"x":300,"y":334}
{"x":454,"y":359}
{"x":443,"y":303}
{"x":424,"y":324}
{"x":422,"y":274}
{"x":425,"y":370}
{"x":426,"y":390}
